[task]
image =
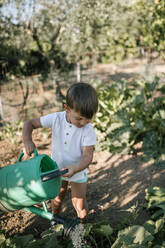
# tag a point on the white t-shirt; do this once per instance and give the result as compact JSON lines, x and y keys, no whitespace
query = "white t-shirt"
{"x":68,"y":141}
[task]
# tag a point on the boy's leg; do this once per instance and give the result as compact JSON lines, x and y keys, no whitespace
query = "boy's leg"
{"x":79,"y":199}
{"x":56,"y":203}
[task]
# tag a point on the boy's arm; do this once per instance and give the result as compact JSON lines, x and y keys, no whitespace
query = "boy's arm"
{"x":83,"y":163}
{"x":27,"y":134}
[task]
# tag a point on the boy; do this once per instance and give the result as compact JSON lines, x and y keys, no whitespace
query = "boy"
{"x":73,"y":140}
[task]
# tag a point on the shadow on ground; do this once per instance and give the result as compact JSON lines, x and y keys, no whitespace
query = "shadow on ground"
{"x":117,"y":186}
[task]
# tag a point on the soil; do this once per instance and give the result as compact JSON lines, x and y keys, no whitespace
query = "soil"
{"x":116,"y":186}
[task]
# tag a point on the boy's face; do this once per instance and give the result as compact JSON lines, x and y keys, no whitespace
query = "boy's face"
{"x":75,"y":118}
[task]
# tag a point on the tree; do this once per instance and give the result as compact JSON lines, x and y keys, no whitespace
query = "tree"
{"x":31,"y":39}
{"x":152,"y":24}
{"x":71,"y":31}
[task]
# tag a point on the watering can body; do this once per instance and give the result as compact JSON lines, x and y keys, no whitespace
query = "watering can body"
{"x":24,"y":184}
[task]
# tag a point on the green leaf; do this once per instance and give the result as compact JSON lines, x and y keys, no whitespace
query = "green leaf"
{"x":22,"y":241}
{"x":58,"y":231}
{"x":150,"y":226}
{"x":52,"y":242}
{"x":134,"y":235}
{"x":150,"y":144}
{"x":2,"y":238}
{"x":104,"y":230}
{"x":159,"y":224}
{"x":162,"y":205}
{"x":158,"y":246}
{"x":138,"y":124}
{"x":162,"y":113}
{"x":139,"y":99}
{"x":88,"y":228}
{"x":157,"y":214}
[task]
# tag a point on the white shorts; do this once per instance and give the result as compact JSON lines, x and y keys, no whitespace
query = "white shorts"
{"x":83,"y":180}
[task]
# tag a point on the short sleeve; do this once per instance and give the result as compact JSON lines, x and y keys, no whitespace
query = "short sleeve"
{"x":89,"y":136}
{"x":48,"y":120}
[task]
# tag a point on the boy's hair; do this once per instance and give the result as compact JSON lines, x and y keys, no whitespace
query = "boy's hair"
{"x":82,"y":97}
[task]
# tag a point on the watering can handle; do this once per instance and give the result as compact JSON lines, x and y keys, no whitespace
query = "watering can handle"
{"x":53,"y":174}
{"x":22,"y":153}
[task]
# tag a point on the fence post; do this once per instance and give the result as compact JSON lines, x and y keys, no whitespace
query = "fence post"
{"x":78,"y":72}
{"x":1,"y":110}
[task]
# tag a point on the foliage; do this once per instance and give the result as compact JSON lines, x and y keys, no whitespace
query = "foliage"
{"x":155,"y":197}
{"x":57,"y":34}
{"x":11,"y":131}
{"x":131,"y":114}
{"x":98,"y":234}
{"x":152,"y":23}
{"x":29,"y":42}
{"x":155,"y":204}
{"x":133,"y":236}
{"x":101,"y":234}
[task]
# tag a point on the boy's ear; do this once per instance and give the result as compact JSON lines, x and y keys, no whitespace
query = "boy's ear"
{"x":67,"y":109}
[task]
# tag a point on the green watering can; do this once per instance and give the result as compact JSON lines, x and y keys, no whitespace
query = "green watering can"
{"x":32,"y":181}
{"x":29,"y":182}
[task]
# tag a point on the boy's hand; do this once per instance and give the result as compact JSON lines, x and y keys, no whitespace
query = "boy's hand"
{"x":28,"y":128}
{"x":29,"y":147}
{"x":70,"y":172}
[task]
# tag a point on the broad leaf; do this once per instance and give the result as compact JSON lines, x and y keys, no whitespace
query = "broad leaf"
{"x":133,"y":235}
{"x":104,"y":230}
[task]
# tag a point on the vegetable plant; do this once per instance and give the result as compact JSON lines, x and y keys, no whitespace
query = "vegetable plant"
{"x":130,"y":114}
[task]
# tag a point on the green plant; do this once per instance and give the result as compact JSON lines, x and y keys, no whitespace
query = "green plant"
{"x":133,"y":237}
{"x":155,"y":197}
{"x":101,"y":234}
{"x":155,"y":204}
{"x":98,"y":234}
{"x":11,"y":131}
{"x":129,"y":114}
{"x":131,"y":218}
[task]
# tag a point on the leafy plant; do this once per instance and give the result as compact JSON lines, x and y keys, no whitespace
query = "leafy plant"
{"x":155,"y":197}
{"x":101,"y":234}
{"x":129,"y":114}
{"x":98,"y":234}
{"x":155,"y":204}
{"x":11,"y":131}
{"x":133,"y":236}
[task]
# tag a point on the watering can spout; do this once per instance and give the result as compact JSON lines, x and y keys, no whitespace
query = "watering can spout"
{"x":68,"y":224}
